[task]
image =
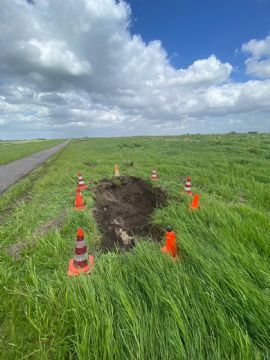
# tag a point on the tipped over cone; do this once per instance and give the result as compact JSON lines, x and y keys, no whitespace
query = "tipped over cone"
{"x":170,"y":247}
{"x":194,"y":205}
{"x":79,"y":203}
{"x":81,"y":263}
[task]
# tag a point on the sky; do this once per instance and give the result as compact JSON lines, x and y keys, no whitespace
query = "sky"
{"x":138,"y":67}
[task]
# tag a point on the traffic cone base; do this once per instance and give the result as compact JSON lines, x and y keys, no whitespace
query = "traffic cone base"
{"x":75,"y":271}
{"x":165,"y":250}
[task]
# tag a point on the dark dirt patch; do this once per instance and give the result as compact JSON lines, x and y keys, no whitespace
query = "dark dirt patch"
{"x":123,"y":209}
{"x":16,"y":250}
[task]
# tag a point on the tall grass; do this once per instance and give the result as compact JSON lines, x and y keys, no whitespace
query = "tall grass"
{"x":213,"y":304}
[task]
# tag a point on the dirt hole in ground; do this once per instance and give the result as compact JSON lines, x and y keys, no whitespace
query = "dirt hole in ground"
{"x":123,"y":208}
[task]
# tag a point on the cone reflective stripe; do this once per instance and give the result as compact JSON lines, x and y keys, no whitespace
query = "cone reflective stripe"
{"x":116,"y":170}
{"x":81,"y":183}
{"x":154,"y":175}
{"x":81,"y":263}
{"x":80,"y":259}
{"x":81,"y":244}
{"x":80,"y":252}
{"x":187,"y":187}
{"x":81,"y":255}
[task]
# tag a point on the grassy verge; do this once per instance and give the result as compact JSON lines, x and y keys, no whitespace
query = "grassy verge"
{"x":213,"y":304}
{"x":13,"y":150}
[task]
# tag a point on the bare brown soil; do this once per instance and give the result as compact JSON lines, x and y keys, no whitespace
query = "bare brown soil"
{"x":123,"y":209}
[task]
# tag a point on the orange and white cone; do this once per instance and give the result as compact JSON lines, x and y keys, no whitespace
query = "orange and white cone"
{"x":187,"y":187}
{"x":81,"y":184}
{"x":79,"y":203}
{"x":154,"y":176}
{"x":81,"y":263}
{"x":116,"y":170}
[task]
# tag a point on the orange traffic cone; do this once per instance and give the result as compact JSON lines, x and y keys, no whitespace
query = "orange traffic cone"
{"x":170,"y":244}
{"x":187,"y":187}
{"x":194,"y":203}
{"x":81,"y":263}
{"x":154,"y":176}
{"x":79,"y":203}
{"x":116,"y":170}
{"x":81,"y":184}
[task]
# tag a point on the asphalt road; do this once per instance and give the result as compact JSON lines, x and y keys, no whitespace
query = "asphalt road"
{"x":12,"y":172}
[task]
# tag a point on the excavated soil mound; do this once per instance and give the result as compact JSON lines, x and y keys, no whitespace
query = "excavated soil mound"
{"x":123,"y":208}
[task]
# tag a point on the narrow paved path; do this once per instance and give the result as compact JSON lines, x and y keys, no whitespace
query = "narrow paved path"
{"x":15,"y":170}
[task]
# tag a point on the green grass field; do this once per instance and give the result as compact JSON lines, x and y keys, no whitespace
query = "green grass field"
{"x":13,"y":150}
{"x":213,"y":304}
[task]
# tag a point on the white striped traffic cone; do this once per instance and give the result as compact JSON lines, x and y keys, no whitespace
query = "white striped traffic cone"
{"x":187,"y":187}
{"x":81,"y":183}
{"x":154,"y":176}
{"x":81,"y":263}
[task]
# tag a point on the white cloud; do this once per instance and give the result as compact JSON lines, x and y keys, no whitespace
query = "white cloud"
{"x":260,"y":68}
{"x":258,"y":48}
{"x":258,"y":63}
{"x":74,"y":66}
{"x":52,"y":54}
{"x":202,"y":72}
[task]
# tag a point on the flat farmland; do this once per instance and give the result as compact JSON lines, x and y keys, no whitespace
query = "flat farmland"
{"x":213,"y":303}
